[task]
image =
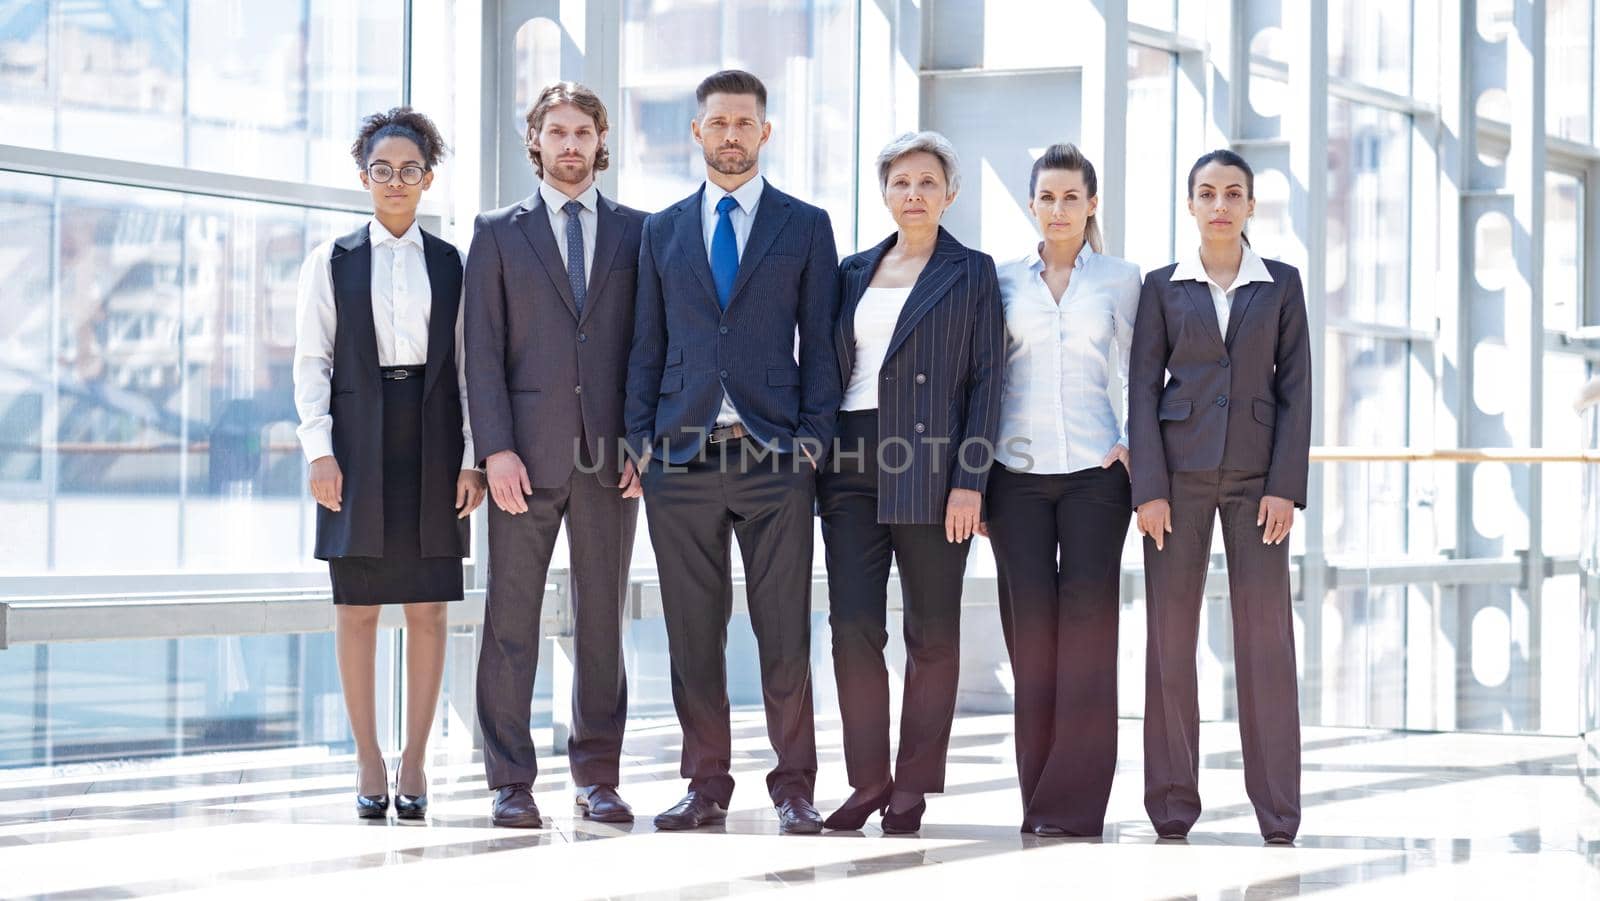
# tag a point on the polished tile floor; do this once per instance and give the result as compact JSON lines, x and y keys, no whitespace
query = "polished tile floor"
{"x":1387,"y":816}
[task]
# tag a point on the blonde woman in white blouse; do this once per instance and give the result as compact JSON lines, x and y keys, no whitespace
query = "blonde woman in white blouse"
{"x":1060,"y":491}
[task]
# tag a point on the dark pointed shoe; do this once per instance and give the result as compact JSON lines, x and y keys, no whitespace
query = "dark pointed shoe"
{"x":409,"y":807}
{"x":853,"y":815}
{"x":372,"y":807}
{"x":1173,"y":830}
{"x":601,"y":803}
{"x":904,"y":822}
{"x":797,"y":816}
{"x":514,"y":807}
{"x":694,"y":811}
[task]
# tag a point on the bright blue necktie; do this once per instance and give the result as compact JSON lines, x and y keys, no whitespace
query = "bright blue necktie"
{"x":580,"y":285}
{"x":724,"y":251}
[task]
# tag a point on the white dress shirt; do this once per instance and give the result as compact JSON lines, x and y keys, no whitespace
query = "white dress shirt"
{"x":588,"y":222}
{"x":876,"y":317}
{"x":741,"y":217}
{"x":1057,"y":407}
{"x":402,"y":303}
{"x":1251,"y":269}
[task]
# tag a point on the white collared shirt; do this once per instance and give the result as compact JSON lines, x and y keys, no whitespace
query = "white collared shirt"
{"x":876,"y":316}
{"x":588,"y":222}
{"x":1058,"y":393}
{"x":402,"y":303}
{"x":741,"y":217}
{"x":1251,"y":269}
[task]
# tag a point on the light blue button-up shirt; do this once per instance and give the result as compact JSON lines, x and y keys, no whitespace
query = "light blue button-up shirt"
{"x":741,"y":217}
{"x":1058,"y":406}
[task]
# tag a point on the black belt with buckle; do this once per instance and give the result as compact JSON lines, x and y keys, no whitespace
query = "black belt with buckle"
{"x":401,"y":373}
{"x":727,"y":433}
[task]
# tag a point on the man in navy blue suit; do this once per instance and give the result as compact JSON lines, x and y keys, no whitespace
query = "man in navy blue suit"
{"x":731,"y":416}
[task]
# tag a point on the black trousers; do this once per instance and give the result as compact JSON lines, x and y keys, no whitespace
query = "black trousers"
{"x":1263,"y":653}
{"x":1060,"y":624}
{"x":766,"y":499}
{"x":859,"y":550}
{"x":600,"y":530}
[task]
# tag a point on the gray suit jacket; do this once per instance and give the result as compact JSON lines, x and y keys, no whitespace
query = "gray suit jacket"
{"x":540,"y":378}
{"x":1240,"y":401}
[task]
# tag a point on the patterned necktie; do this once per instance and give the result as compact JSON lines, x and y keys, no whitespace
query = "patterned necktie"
{"x":724,"y":251}
{"x":575,"y":277}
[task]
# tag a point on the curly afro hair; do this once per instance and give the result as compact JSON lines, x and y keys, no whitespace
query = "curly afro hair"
{"x":400,"y":122}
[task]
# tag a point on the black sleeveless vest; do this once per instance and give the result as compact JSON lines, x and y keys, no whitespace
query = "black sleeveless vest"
{"x":357,"y":408}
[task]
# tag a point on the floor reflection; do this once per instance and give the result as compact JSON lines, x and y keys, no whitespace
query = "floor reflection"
{"x":1387,"y":815}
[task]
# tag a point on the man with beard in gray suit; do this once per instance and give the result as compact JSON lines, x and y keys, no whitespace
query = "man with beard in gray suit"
{"x":549,"y":323}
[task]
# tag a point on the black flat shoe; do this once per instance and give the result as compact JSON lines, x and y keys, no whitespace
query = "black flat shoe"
{"x":853,"y":815}
{"x":602,"y":804}
{"x":409,"y":807}
{"x":514,"y":807}
{"x":796,"y":816}
{"x":1280,"y":838}
{"x":904,"y":823}
{"x":373,"y":807}
{"x":1172,"y":830}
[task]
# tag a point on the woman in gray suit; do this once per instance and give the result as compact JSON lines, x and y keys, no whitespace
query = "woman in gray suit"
{"x":920,"y":345}
{"x":1219,"y":423}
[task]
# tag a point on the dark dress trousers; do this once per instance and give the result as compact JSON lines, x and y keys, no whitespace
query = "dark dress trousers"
{"x":883,"y":497}
{"x":546,"y":381}
{"x":358,"y":529}
{"x":1216,"y":422}
{"x":686,"y":351}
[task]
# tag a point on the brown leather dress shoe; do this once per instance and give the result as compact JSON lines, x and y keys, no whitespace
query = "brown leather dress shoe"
{"x":514,"y":807}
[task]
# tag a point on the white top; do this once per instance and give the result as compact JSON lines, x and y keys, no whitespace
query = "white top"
{"x":1251,"y":269}
{"x":402,"y":302}
{"x":875,"y":320}
{"x":554,"y":201}
{"x":748,"y":196}
{"x":1057,"y":414}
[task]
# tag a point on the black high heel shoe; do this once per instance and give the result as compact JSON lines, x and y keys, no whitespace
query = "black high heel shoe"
{"x":904,"y":822}
{"x":373,"y":807}
{"x":853,"y":815}
{"x":409,"y":807}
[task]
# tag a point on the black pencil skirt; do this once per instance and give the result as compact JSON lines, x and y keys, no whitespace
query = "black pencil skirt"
{"x":402,"y":575}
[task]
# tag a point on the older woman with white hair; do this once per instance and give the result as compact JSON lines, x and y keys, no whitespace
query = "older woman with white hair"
{"x":920,"y":342}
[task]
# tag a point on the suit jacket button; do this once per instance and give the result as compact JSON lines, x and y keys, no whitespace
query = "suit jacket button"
{"x":723,"y":373}
{"x":1222,"y":400}
{"x":920,"y":428}
{"x":723,"y":330}
{"x":577,"y":389}
{"x":922,"y":378}
{"x":582,"y":337}
{"x":1223,"y":362}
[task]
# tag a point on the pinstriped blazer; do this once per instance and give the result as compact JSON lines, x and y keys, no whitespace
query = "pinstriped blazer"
{"x":941,"y":379}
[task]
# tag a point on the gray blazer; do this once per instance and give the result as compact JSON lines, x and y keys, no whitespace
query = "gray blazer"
{"x":540,"y":378}
{"x":1238,"y":402}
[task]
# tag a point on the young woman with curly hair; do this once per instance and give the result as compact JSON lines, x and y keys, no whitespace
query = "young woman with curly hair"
{"x":381,"y":394}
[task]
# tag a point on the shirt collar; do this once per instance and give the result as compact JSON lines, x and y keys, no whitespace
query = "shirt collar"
{"x":1035,"y":259}
{"x":747,"y":195}
{"x":380,"y":235}
{"x":1251,"y":269}
{"x":556,"y":200}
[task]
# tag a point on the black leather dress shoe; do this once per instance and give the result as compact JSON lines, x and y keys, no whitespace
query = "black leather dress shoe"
{"x":603,"y":804}
{"x":904,"y":822}
{"x":514,"y":807}
{"x":796,"y":816}
{"x":1279,"y":838}
{"x":1172,"y":830}
{"x":853,"y":815}
{"x":694,"y":811}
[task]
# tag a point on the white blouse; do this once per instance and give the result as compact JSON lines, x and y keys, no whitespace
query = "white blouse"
{"x":1057,"y":415}
{"x":876,"y":316}
{"x":1251,"y":269}
{"x":402,"y":303}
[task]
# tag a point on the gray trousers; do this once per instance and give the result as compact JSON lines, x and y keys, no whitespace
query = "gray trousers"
{"x":1263,"y":649}
{"x":600,"y":530}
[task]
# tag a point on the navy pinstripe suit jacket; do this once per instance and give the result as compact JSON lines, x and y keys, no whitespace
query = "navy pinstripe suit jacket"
{"x":941,"y":380}
{"x":687,"y":350}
